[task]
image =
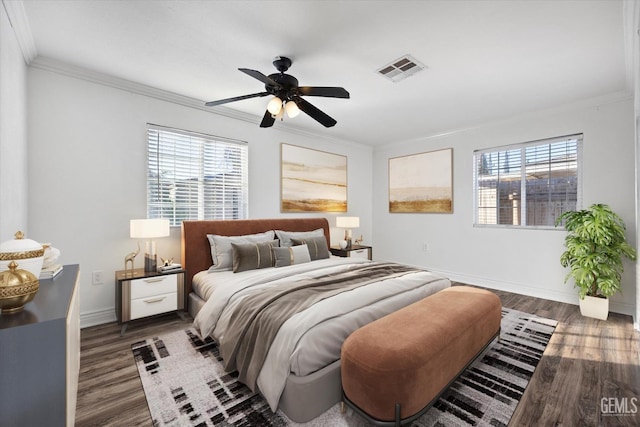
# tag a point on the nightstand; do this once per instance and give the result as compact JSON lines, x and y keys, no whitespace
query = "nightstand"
{"x":355,"y":251}
{"x":142,"y":293}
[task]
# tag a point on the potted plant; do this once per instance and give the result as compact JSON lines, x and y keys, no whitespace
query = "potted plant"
{"x":595,"y":245}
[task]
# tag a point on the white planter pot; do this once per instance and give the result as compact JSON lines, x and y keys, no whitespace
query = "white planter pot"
{"x":595,"y":307}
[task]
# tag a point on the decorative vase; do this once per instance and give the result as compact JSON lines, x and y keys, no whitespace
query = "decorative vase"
{"x":28,"y":253}
{"x":343,"y":244}
{"x":17,"y":287}
{"x":595,"y":307}
{"x":51,"y":255}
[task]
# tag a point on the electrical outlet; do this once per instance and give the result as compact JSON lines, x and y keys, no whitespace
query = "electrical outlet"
{"x":425,"y":247}
{"x":96,"y":277}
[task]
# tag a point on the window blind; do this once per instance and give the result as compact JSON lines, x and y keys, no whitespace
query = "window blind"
{"x":193,"y":176}
{"x":528,"y":184}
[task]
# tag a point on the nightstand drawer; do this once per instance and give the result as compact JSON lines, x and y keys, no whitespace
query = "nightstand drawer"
{"x":151,"y":286}
{"x":359,"y":253}
{"x":156,"y":304}
{"x":355,"y":251}
{"x":141,"y":293}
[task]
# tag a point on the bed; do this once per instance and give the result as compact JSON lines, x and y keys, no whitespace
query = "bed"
{"x":300,"y":374}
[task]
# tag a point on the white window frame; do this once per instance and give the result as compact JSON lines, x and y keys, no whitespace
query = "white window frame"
{"x":185,"y":171}
{"x":477,"y":155}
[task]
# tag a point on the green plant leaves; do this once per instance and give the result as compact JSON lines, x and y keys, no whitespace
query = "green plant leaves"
{"x":595,"y":244}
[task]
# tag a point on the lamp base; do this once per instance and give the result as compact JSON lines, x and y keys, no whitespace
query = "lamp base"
{"x":347,"y":237}
{"x":150,"y":263}
{"x":150,"y":258}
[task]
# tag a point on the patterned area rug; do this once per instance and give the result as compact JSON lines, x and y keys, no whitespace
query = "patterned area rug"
{"x":185,"y":384}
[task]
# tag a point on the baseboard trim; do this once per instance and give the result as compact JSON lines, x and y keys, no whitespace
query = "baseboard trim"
{"x":559,"y":296}
{"x":99,"y":317}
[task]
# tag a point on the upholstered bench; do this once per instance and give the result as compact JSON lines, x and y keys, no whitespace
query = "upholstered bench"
{"x":396,"y":367}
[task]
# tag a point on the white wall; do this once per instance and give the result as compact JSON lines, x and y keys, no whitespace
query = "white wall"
{"x":87,"y":173}
{"x":523,"y":261}
{"x":87,"y":179}
{"x":13,"y":133}
{"x":633,"y":14}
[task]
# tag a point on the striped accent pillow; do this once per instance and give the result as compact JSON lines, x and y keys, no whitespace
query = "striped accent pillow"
{"x":291,"y":255}
{"x":252,"y":256}
{"x":317,"y":246}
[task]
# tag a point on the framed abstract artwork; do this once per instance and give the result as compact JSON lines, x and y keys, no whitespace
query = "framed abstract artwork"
{"x":421,"y":183}
{"x":312,"y":180}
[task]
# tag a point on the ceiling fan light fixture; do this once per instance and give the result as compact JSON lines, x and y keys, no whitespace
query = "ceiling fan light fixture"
{"x":292,"y":109}
{"x":275,"y":106}
{"x":287,"y":95}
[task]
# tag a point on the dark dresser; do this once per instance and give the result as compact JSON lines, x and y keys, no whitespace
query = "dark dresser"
{"x":40,"y":356}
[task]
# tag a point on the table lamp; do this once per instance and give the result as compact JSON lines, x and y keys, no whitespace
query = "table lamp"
{"x":149,"y":229}
{"x":348,"y":222}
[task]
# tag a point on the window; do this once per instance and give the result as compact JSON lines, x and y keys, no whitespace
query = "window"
{"x":529,"y":184}
{"x":195,"y":176}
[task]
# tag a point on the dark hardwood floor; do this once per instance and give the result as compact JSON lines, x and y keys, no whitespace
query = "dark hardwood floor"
{"x":109,"y":389}
{"x":586,"y":361}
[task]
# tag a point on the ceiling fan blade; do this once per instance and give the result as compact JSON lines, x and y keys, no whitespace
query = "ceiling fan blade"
{"x":235,"y":98}
{"x":331,"y":92}
{"x":258,"y":75}
{"x":314,"y":112}
{"x":268,"y":120}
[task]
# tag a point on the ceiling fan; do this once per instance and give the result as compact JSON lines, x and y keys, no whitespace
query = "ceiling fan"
{"x":288,"y":95}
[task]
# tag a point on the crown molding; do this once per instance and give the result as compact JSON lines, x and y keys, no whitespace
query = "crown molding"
{"x":595,"y":102}
{"x":20,"y":24}
{"x":70,"y":70}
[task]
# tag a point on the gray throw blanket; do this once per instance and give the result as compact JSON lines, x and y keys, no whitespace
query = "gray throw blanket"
{"x":255,"y":323}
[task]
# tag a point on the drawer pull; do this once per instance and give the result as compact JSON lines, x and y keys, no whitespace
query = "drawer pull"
{"x":154,"y":300}
{"x":154,"y":280}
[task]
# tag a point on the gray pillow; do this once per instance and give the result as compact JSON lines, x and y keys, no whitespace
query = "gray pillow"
{"x":291,"y":255}
{"x":317,"y":246}
{"x":252,"y":256}
{"x":222,"y":253}
{"x":286,"y":236}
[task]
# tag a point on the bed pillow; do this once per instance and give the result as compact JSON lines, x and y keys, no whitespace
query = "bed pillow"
{"x":286,"y":236}
{"x":252,"y":256}
{"x":291,"y":255}
{"x":317,"y":247}
{"x":222,"y":253}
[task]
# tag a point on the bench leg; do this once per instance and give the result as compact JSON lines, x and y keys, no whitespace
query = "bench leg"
{"x":397,"y":415}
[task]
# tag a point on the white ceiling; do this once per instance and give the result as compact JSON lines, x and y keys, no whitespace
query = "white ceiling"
{"x":486,"y":60}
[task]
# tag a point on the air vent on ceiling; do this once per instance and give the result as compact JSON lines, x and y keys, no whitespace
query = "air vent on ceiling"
{"x":401,"y":68}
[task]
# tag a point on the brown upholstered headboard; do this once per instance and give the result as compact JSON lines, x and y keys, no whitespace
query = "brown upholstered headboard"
{"x":196,"y":252}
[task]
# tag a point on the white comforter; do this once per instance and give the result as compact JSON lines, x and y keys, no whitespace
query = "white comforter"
{"x":311,"y":339}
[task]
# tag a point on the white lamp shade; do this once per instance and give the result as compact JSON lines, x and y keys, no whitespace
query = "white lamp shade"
{"x":292,"y":109}
{"x":148,"y":228}
{"x":348,"y":221}
{"x":274,"y":106}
